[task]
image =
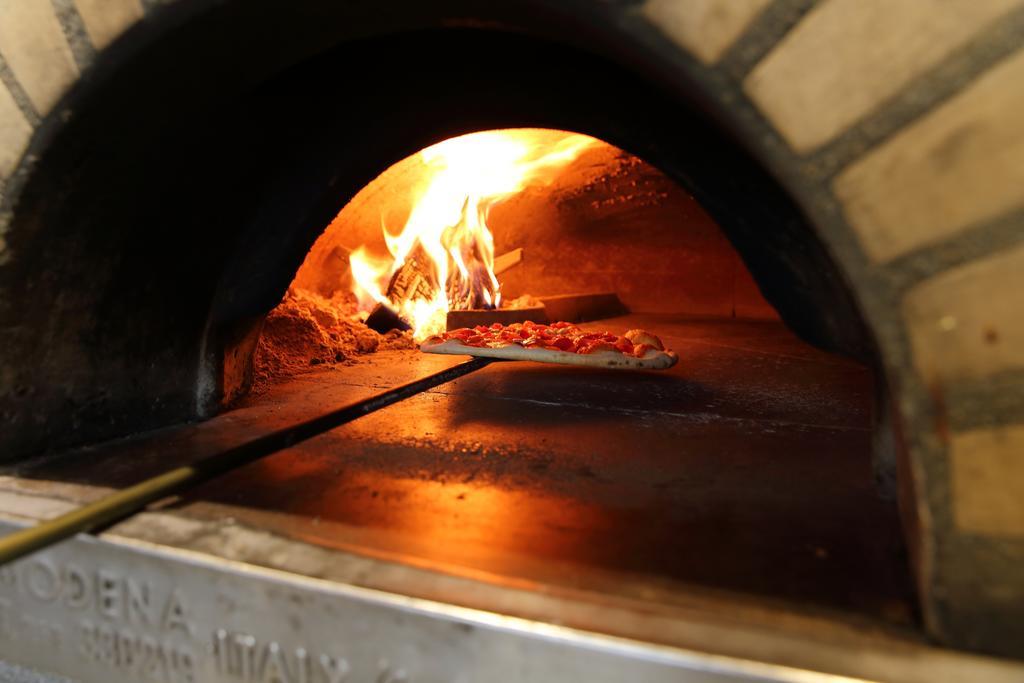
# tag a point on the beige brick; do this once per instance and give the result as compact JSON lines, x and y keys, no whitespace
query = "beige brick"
{"x":32,"y":42}
{"x":706,"y":28}
{"x":846,"y":57}
{"x":968,"y":322}
{"x":105,"y":20}
{"x":987,"y":469}
{"x":15,"y":132}
{"x":34,"y":45}
{"x":961,"y":164}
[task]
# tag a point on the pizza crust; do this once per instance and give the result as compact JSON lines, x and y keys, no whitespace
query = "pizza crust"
{"x":652,"y":360}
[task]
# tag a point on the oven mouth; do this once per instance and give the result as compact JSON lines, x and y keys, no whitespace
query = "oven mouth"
{"x":503,"y":227}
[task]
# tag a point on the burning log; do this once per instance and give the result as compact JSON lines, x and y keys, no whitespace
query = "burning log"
{"x":470,"y":292}
{"x":573,"y":308}
{"x":576,"y":308}
{"x":505,"y":316}
{"x":413,"y":280}
{"x":507,"y":260}
{"x":382,"y":320}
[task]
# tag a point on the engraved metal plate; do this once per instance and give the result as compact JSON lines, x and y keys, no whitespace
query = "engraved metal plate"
{"x":100,"y":612}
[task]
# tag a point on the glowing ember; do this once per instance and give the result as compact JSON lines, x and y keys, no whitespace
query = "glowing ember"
{"x":443,"y":257}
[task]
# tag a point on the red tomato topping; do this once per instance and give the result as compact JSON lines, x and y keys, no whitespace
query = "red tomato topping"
{"x":562,"y":343}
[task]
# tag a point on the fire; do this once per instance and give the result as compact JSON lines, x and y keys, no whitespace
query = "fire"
{"x":443,"y":257}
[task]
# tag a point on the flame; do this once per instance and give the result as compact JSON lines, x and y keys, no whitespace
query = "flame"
{"x":443,"y":257}
{"x":366,"y":271}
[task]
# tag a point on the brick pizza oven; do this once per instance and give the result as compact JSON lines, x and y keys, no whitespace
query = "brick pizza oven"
{"x":815,"y":204}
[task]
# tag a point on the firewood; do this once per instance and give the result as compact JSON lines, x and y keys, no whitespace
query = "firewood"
{"x":507,"y":260}
{"x":382,"y":319}
{"x":576,"y":308}
{"x":413,"y":280}
{"x":505,"y":316}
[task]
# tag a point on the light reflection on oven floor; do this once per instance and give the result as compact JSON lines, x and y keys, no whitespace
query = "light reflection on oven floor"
{"x":745,"y":468}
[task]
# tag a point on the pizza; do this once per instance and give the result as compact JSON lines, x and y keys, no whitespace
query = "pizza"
{"x":559,"y":342}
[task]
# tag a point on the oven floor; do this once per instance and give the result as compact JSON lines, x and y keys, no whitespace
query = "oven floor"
{"x":743,"y":471}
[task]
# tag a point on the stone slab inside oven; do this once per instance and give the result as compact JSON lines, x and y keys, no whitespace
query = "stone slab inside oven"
{"x":744,"y":469}
{"x":718,"y":520}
